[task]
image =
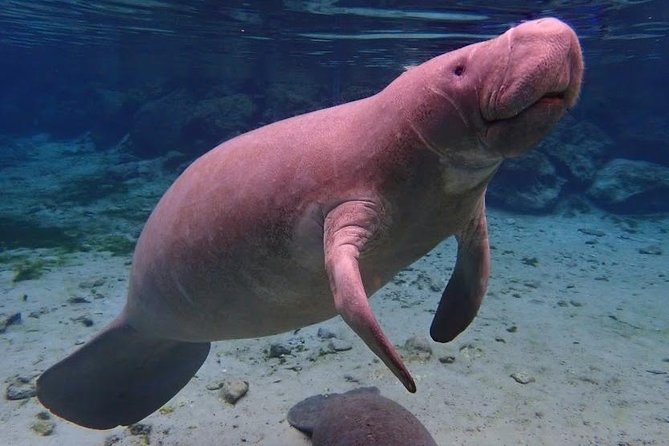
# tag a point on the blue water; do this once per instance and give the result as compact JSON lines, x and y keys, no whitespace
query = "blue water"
{"x":104,"y":103}
{"x":56,"y":52}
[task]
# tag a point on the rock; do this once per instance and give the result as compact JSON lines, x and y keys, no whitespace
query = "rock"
{"x":214,"y":386}
{"x":277,"y":350}
{"x":216,"y":119}
{"x":187,"y":123}
{"x":156,"y":127}
{"x":530,"y":261}
{"x":651,"y":250}
{"x":111,"y":440}
{"x":335,"y":345}
{"x":627,"y":186}
{"x":447,"y":359}
{"x":522,"y":378}
{"x":326,"y":333}
{"x":7,"y":320}
{"x":526,"y":184}
{"x":577,"y":149}
{"x":593,"y":232}
{"x":290,"y":92}
{"x":43,"y":427}
{"x":418,"y":348}
{"x":418,"y":343}
{"x":140,"y":429}
{"x":166,"y":410}
{"x":20,"y":388}
{"x":470,"y":351}
{"x":78,"y":300}
{"x":578,"y":164}
{"x":339,"y":345}
{"x":233,"y":390}
{"x":85,"y":320}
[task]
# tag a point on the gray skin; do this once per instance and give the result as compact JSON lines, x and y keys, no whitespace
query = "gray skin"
{"x":303,"y":219}
{"x":360,"y":417}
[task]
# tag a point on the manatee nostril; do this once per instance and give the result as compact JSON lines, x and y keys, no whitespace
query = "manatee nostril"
{"x":458,"y":70}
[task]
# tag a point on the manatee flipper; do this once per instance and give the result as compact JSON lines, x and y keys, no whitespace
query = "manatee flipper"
{"x":119,"y":377}
{"x":462,"y":297}
{"x":347,"y":231}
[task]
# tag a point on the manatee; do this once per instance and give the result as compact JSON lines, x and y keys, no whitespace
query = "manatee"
{"x":303,"y":219}
{"x":360,"y":417}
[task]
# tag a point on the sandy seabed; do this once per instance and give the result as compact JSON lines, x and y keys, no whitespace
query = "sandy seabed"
{"x":575,"y":304}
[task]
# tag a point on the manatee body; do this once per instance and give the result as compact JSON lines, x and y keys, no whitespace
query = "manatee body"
{"x":360,"y":417}
{"x":303,"y":219}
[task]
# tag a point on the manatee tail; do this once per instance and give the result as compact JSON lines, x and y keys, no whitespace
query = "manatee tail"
{"x":119,"y":377}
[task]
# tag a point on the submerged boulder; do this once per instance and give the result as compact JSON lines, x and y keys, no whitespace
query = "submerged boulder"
{"x":627,"y":186}
{"x":577,"y":149}
{"x":183,"y":122}
{"x":526,"y":184}
{"x":217,"y":119}
{"x":156,"y":127}
{"x":563,"y":166}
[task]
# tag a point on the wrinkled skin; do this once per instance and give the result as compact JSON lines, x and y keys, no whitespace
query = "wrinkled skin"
{"x":305,"y":218}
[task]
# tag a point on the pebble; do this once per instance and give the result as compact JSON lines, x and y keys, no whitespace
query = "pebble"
{"x":447,"y":359}
{"x":6,"y":321}
{"x":214,"y":386}
{"x":20,"y":388}
{"x":140,"y":429}
{"x":522,"y":378}
{"x":593,"y":232}
{"x":78,"y":300}
{"x":87,"y":321}
{"x":38,"y":313}
{"x":326,"y":333}
{"x":351,"y":379}
{"x":233,"y":390}
{"x":470,"y":351}
{"x":93,"y":283}
{"x":418,"y":343}
{"x":112,"y":439}
{"x":43,"y":427}
{"x":418,"y":347}
{"x":531,"y":261}
{"x":166,"y":410}
{"x":278,"y":350}
{"x":339,"y":345}
{"x":651,"y":250}
{"x":335,"y":345}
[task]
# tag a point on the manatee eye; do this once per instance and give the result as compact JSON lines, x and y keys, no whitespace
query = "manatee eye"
{"x":459,"y":70}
